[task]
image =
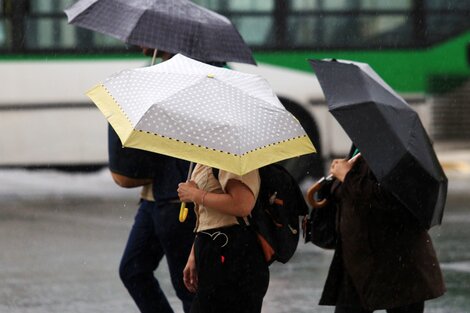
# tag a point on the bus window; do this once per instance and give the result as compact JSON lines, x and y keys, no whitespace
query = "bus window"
{"x":333,"y":24}
{"x":47,"y":29}
{"x":448,"y":4}
{"x":255,"y":6}
{"x":55,"y":33}
{"x":228,"y":6}
{"x":253,"y":19}
{"x":384,"y":5}
{"x":300,"y":5}
{"x":4,"y":25}
{"x":215,"y":5}
{"x":257,"y":31}
{"x":49,"y":6}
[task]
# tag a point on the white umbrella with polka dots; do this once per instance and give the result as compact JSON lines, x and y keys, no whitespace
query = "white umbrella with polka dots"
{"x":201,"y":113}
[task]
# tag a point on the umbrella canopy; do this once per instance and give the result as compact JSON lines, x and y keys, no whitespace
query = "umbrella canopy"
{"x":389,"y":134}
{"x":176,"y":26}
{"x":201,"y":113}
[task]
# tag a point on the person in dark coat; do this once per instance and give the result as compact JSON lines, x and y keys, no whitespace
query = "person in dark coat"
{"x":156,"y":232}
{"x":383,"y":258}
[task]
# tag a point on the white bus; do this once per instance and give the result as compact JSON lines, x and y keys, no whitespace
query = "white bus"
{"x":46,"y":67}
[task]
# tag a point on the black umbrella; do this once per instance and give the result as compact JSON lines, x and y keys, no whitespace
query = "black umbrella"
{"x":389,"y":134}
{"x":176,"y":26}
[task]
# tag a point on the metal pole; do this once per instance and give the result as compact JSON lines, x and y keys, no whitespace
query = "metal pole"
{"x":19,"y":10}
{"x":281,"y":12}
{"x":419,"y":20}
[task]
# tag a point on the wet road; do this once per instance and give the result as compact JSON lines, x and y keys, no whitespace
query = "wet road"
{"x":61,"y":238}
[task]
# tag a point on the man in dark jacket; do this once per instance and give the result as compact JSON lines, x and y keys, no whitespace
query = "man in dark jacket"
{"x":384,"y":259}
{"x":156,"y":232}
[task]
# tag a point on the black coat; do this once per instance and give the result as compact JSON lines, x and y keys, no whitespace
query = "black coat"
{"x":384,"y":258}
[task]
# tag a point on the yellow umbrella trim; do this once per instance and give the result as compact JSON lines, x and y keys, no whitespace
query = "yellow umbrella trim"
{"x":238,"y":164}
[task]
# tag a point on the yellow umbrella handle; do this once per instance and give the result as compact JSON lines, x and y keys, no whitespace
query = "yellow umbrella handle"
{"x":183,"y":209}
{"x":183,"y":212}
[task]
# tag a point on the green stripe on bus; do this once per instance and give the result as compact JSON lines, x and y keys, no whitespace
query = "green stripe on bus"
{"x":404,"y":70}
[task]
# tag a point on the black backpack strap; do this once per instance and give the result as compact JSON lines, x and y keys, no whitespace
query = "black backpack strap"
{"x":215,"y":172}
{"x":241,"y":220}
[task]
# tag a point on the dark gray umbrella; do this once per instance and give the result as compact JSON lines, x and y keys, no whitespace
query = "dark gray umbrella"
{"x":176,"y":26}
{"x":389,"y":134}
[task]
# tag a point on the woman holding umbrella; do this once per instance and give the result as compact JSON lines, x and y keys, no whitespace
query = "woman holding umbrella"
{"x":226,"y":268}
{"x":383,"y":259}
{"x":197,"y":116}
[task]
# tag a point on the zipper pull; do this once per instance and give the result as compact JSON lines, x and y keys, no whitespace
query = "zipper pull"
{"x":273,"y":198}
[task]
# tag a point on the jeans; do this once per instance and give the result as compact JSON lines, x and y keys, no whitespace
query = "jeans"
{"x":157,"y":232}
{"x":412,"y":308}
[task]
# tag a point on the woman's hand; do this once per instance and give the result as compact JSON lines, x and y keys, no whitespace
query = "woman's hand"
{"x":339,"y":168}
{"x":188,"y":191}
{"x":190,"y":274}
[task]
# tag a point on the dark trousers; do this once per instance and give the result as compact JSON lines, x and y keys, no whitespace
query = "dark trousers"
{"x":156,"y":233}
{"x":232,"y":273}
{"x":412,"y":308}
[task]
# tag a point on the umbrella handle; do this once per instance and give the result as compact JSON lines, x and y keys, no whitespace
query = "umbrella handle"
{"x":183,"y":209}
{"x":312,"y":190}
{"x":311,"y":195}
{"x":154,"y":56}
{"x":183,"y":212}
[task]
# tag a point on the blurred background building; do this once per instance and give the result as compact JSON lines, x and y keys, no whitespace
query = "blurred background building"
{"x":420,"y":47}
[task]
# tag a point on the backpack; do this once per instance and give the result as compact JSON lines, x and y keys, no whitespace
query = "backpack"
{"x":275,"y":216}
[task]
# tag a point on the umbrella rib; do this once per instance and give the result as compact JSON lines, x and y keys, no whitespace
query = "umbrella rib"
{"x":134,"y":28}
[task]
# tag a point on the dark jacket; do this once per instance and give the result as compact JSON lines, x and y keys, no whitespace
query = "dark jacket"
{"x":384,"y":258}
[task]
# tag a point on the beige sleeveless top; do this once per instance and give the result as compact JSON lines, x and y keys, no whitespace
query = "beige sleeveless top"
{"x":210,"y":218}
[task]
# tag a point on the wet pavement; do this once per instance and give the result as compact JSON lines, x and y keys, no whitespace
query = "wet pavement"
{"x":62,"y":235}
